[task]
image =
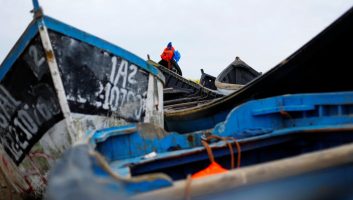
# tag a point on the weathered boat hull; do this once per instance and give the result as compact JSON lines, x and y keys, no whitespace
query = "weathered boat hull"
{"x":267,"y":130}
{"x":235,"y":76}
{"x":322,"y":65}
{"x":59,"y":84}
{"x":299,"y":177}
{"x":179,"y":90}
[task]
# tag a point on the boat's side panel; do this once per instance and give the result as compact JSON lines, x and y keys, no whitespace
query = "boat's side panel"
{"x":32,"y":131}
{"x":109,"y":81}
{"x":29,"y":106}
{"x":98,"y":82}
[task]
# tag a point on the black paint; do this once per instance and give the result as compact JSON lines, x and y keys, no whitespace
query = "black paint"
{"x":238,"y":72}
{"x":178,"y":89}
{"x":207,"y":80}
{"x":28,"y":103}
{"x":85,"y":69}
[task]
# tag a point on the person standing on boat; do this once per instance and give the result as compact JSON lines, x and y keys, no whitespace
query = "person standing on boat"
{"x":167,"y":56}
{"x":170,"y":57}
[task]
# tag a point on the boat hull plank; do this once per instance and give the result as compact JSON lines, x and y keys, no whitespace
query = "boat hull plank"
{"x":98,"y":82}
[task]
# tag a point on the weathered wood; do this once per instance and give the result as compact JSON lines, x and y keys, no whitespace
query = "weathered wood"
{"x":55,"y":75}
{"x":228,"y":86}
{"x":154,"y":102}
{"x":183,"y":88}
{"x":238,"y":72}
{"x":258,"y":173}
{"x":187,"y":104}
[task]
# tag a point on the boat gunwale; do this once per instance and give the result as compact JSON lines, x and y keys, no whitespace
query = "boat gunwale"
{"x":55,"y":25}
{"x":279,"y":134}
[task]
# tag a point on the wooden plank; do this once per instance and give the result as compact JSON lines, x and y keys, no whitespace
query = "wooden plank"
{"x":55,"y":74}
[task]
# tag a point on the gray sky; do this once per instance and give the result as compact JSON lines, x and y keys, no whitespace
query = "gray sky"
{"x":209,"y":34}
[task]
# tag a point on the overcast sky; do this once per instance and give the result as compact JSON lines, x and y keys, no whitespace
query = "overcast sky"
{"x":209,"y":34}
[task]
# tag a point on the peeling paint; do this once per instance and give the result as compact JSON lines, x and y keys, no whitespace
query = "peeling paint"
{"x":58,"y":92}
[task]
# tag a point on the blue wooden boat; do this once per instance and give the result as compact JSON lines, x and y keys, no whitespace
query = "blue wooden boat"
{"x":278,"y":136}
{"x":321,"y":65}
{"x":58,"y":84}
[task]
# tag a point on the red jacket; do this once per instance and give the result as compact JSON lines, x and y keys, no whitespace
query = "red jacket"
{"x":167,"y":54}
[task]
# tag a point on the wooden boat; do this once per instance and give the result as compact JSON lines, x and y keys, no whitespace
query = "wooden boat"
{"x":208,"y":80}
{"x":235,"y":76}
{"x":180,"y":92}
{"x":321,"y":65}
{"x":59,"y":84}
{"x":278,"y":137}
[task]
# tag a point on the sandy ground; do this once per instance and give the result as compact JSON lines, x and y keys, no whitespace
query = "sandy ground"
{"x":5,"y":192}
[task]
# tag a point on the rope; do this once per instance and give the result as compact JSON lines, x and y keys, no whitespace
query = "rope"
{"x":209,"y":151}
{"x":238,"y":150}
{"x":187,"y":193}
{"x":224,"y":139}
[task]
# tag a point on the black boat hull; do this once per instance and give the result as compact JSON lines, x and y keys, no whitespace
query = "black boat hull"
{"x":322,"y":65}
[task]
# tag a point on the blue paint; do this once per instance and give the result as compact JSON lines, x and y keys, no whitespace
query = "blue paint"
{"x":72,"y":32}
{"x":265,"y":111}
{"x":256,"y":124}
{"x":103,"y":134}
{"x":18,"y":49}
{"x":255,"y":150}
{"x":285,"y":112}
{"x":267,"y":129}
{"x":168,"y":159}
{"x":36,"y":6}
{"x":119,"y":146}
{"x":251,"y":119}
{"x":132,"y":187}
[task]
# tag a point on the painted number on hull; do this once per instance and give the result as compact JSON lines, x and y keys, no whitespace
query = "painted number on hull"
{"x":19,"y":122}
{"x":116,"y":91}
{"x":38,"y":61}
